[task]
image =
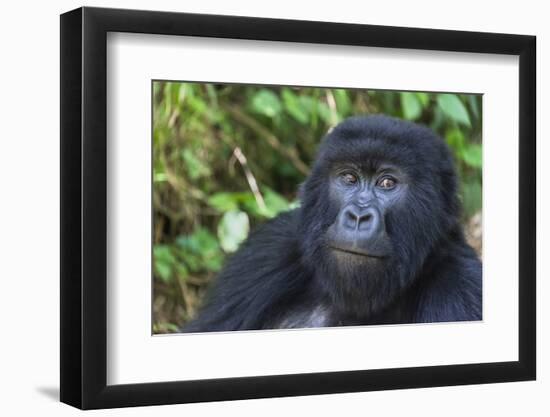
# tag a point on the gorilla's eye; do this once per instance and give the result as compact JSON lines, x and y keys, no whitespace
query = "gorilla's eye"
{"x":386,"y":182}
{"x":349,"y":178}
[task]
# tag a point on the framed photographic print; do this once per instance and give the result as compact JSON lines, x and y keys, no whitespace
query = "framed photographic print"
{"x":258,"y":207}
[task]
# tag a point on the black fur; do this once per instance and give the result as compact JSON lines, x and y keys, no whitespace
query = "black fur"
{"x":285,"y":276}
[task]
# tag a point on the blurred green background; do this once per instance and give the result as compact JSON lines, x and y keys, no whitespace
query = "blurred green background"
{"x":229,"y":157}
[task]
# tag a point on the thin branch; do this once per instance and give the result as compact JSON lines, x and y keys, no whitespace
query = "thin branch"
{"x":250,"y":178}
{"x":173,"y":117}
{"x":332,"y":106}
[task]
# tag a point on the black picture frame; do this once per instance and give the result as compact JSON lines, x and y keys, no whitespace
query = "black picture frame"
{"x":84,"y":207}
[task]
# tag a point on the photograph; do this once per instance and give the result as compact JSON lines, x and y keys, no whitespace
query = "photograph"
{"x":293,"y":207}
{"x":256,"y":207}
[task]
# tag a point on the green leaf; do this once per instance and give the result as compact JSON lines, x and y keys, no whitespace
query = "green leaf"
{"x":182,"y":271}
{"x":182,"y":94}
{"x":412,"y":107}
{"x":325,"y":113}
{"x":171,"y":327}
{"x":196,"y":104}
{"x":455,"y":139}
{"x":267,"y":103}
{"x":294,"y":204}
{"x":214,"y":262}
{"x":192,"y":261}
{"x":343,"y":102}
{"x":473,"y":155}
{"x":471,"y":196}
{"x":164,"y":271}
{"x":224,"y":201}
{"x":165,"y":328}
{"x":194,"y":166}
{"x":199,"y":251}
{"x":274,"y":202}
{"x":233,"y":230}
{"x":454,"y":108}
{"x":438,"y":119}
{"x":160,"y":177}
{"x":200,"y":241}
{"x":308,"y":103}
{"x":206,"y":241}
{"x":424,"y":98}
{"x":157,"y":88}
{"x":387,"y":101}
{"x":293,"y":107}
{"x":474,"y":106}
{"x":164,"y":261}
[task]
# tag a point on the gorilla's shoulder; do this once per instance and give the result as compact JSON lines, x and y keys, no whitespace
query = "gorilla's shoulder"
{"x":264,"y":271}
{"x":284,"y":226}
{"x":268,"y":242}
{"x":453,"y":291}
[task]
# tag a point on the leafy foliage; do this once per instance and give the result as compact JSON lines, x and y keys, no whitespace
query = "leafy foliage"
{"x":228,"y":157}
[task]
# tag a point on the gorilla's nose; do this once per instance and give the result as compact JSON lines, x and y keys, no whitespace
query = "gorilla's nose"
{"x":361,"y":218}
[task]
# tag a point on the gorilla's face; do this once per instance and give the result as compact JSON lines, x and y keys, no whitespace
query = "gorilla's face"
{"x":363,"y":198}
{"x":381,"y":195}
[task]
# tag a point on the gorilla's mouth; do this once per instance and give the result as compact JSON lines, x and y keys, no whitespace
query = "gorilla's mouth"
{"x":358,"y":252}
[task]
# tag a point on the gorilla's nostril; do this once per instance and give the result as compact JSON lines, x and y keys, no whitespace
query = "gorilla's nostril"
{"x":351,"y":215}
{"x":349,"y":219}
{"x":365,"y":222}
{"x":365,"y":218}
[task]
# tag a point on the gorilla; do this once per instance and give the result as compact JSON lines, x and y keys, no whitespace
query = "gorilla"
{"x":376,"y":240}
